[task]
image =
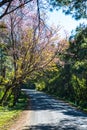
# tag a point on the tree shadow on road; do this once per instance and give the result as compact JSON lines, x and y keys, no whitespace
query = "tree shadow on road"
{"x":40,"y":101}
{"x":72,"y":120}
{"x":63,"y":125}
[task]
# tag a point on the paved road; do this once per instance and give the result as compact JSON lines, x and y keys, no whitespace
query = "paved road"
{"x":50,"y":114}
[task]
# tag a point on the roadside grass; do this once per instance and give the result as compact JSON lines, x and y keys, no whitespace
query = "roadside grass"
{"x":85,"y":110}
{"x":8,"y":115}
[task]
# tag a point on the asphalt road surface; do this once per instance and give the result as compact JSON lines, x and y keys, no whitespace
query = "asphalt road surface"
{"x":50,"y":114}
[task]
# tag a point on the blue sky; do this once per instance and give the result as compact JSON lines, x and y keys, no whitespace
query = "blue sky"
{"x":66,"y":22}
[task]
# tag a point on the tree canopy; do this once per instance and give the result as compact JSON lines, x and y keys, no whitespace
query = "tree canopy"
{"x":32,"y":51}
{"x":77,"y":8}
{"x":27,"y":48}
{"x":70,"y":80}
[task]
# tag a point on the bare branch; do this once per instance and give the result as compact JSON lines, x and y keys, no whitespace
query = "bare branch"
{"x":6,"y":10}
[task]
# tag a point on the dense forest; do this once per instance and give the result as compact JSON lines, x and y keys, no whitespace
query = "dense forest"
{"x":33,"y":54}
{"x":69,"y":81}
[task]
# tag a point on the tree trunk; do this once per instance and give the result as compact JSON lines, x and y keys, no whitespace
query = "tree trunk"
{"x":4,"y":96}
{"x":16,"y":93}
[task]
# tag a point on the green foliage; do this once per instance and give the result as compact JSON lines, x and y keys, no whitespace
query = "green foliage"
{"x":70,"y":81}
{"x":40,"y":85}
{"x":77,"y":8}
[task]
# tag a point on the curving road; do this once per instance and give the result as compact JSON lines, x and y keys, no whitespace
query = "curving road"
{"x":50,"y":114}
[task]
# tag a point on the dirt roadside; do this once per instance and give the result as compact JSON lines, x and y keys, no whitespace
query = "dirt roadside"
{"x":22,"y":120}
